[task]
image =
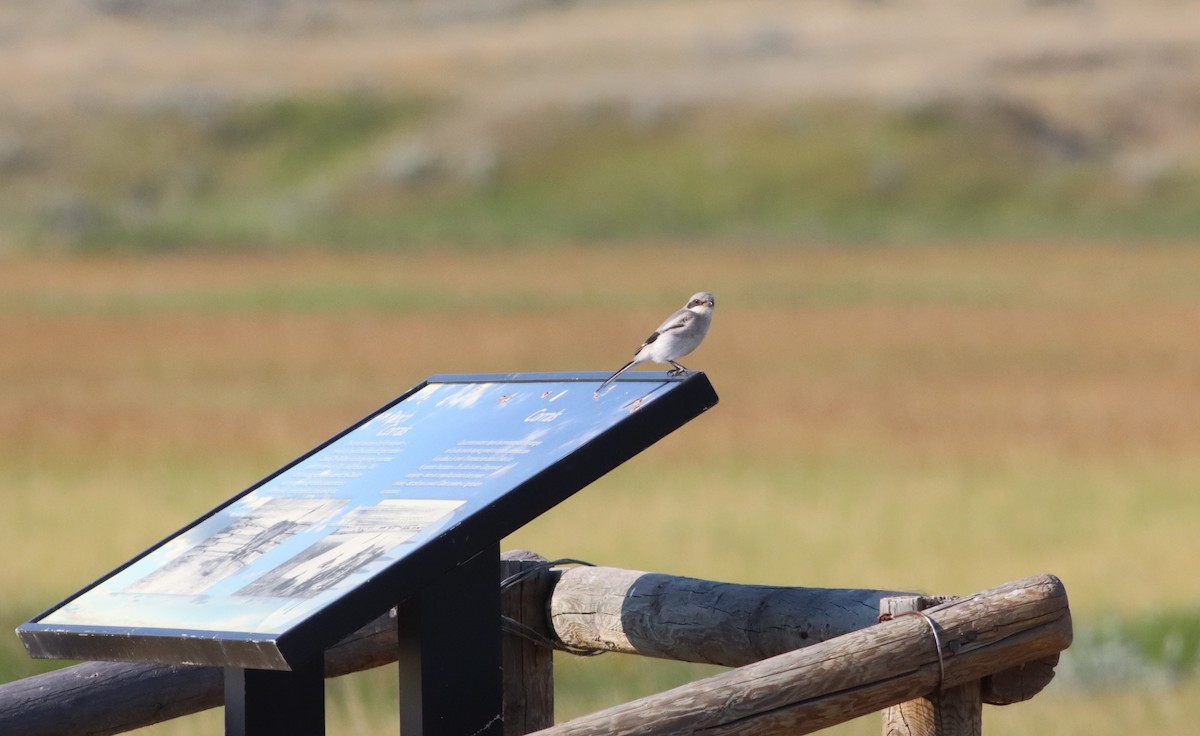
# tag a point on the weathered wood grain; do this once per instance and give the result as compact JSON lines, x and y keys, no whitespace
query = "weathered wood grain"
{"x":692,"y":620}
{"x":701,"y":620}
{"x":1019,"y":683}
{"x":861,"y":672}
{"x":100,"y":698}
{"x":948,"y":711}
{"x":528,"y":667}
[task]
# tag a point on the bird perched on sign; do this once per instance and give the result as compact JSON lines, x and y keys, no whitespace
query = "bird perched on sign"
{"x":677,"y":336}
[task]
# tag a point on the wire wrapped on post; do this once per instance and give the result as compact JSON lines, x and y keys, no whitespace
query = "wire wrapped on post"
{"x":509,"y":625}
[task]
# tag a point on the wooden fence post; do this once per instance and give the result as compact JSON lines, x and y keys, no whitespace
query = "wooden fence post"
{"x":528,"y":668}
{"x":951,"y":711}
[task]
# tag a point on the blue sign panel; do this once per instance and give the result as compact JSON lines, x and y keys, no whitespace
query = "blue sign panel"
{"x":456,"y":463}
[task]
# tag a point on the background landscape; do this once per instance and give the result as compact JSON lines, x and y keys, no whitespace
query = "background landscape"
{"x":953,"y":247}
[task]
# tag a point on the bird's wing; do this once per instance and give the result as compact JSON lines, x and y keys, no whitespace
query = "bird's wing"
{"x":676,"y":321}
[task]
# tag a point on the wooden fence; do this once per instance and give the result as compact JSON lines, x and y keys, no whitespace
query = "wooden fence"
{"x":804,"y":658}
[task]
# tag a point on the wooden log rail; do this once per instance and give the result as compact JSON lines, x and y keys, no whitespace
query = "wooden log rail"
{"x":706,"y":622}
{"x":1007,"y":638}
{"x":864,"y":671}
{"x":700,"y":621}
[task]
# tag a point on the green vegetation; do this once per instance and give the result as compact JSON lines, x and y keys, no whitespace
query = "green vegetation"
{"x":196,"y":171}
{"x":368,"y":170}
{"x":1159,"y":649}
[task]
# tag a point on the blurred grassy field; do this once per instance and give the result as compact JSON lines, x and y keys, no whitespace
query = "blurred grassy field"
{"x":930,"y":418}
{"x":941,"y":416}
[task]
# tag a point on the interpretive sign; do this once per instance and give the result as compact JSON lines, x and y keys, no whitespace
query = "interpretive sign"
{"x":335,"y":538}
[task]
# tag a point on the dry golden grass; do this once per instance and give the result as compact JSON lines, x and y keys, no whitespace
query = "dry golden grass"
{"x":1039,"y":349}
{"x":929,"y":418}
{"x":920,"y":371}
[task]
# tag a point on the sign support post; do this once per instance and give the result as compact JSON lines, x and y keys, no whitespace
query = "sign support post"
{"x":270,"y":702}
{"x":449,"y":655}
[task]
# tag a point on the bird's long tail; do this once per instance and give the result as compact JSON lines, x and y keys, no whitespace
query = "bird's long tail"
{"x":613,"y":377}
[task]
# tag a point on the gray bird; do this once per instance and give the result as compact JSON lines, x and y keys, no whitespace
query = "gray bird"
{"x":678,"y":335}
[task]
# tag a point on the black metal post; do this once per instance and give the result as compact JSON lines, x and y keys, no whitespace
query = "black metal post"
{"x":275,"y":703}
{"x":449,"y":657}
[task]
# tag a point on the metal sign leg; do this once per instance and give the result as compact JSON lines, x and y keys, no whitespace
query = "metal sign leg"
{"x":450,"y":680}
{"x":275,"y":703}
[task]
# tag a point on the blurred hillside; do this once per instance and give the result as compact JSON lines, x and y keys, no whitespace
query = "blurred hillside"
{"x":133,"y":123}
